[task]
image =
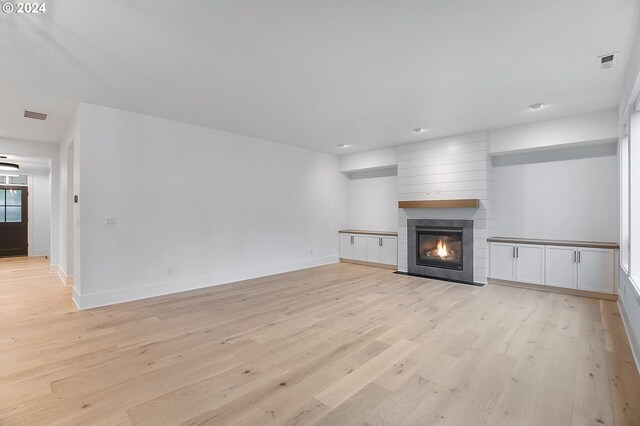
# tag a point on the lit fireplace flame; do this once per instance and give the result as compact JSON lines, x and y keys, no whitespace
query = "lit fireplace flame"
{"x":441,"y":249}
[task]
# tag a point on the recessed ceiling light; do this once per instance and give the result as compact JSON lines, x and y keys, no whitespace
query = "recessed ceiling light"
{"x":343,"y":145}
{"x":537,"y":106}
{"x":419,"y":130}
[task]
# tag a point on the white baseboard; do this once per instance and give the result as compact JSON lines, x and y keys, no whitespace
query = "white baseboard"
{"x":626,"y":321}
{"x":67,"y":280}
{"x":76,"y":298}
{"x":94,"y":300}
{"x":38,"y":253}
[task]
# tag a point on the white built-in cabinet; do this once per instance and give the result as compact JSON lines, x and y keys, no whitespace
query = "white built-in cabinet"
{"x":561,"y":267}
{"x":502,"y":258}
{"x":583,"y":268}
{"x":517,"y":262}
{"x":372,"y":248}
{"x":574,"y":267}
{"x":353,"y":247}
{"x":382,"y":249}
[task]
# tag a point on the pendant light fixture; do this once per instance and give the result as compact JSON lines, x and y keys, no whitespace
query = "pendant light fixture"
{"x":9,"y":167}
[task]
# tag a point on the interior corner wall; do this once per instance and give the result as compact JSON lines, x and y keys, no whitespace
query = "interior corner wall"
{"x":574,"y":199}
{"x":195,"y":207}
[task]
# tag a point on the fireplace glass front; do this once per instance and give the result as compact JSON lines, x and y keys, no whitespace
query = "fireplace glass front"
{"x":439,"y":247}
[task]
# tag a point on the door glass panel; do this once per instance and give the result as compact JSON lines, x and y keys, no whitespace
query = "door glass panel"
{"x":14,"y":197}
{"x":14,"y":214}
{"x":2,"y":213}
{"x":2,"y":197}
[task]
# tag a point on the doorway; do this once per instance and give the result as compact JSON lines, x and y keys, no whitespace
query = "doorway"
{"x":13,"y":221}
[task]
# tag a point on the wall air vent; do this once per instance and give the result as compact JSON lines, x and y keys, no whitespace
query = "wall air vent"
{"x":608,"y":60}
{"x":35,"y":115}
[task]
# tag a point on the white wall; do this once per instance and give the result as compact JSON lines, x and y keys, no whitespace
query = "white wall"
{"x":572,"y":199}
{"x":373,"y":200}
{"x":67,"y":229}
{"x":196,"y":207}
{"x":631,"y":85}
{"x":580,"y":130}
{"x":39,"y":213}
{"x":629,"y":303}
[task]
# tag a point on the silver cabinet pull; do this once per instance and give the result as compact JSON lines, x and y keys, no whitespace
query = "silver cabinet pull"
{"x":380,"y":242}
{"x":578,"y":256}
{"x":574,"y":256}
{"x":513,"y":252}
{"x":517,"y":251}
{"x":352,"y":239}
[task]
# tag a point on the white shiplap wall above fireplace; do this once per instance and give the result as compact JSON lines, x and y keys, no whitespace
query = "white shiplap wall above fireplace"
{"x":449,"y":168}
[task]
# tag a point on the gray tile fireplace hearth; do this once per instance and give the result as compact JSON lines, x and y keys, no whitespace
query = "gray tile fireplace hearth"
{"x":439,"y":248}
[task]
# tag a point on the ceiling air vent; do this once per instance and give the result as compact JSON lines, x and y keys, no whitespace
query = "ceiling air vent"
{"x":608,"y":60}
{"x":35,"y":115}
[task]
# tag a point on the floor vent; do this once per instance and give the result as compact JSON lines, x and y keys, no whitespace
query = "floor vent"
{"x":35,"y":115}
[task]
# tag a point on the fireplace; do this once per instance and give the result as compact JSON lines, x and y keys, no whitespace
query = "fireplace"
{"x":441,"y":248}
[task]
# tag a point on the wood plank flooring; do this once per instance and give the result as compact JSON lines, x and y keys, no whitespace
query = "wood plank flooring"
{"x":336,"y":345}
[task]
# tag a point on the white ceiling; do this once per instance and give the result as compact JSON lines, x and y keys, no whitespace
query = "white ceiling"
{"x":315,"y":73}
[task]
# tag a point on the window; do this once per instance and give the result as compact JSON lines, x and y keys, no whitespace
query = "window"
{"x":624,"y":203}
{"x":634,"y":197}
{"x":10,"y":205}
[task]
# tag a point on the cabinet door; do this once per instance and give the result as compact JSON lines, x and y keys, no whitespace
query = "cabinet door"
{"x":561,"y":269}
{"x":374,"y":249}
{"x":530,"y":263}
{"x":360,"y":247}
{"x":502,"y":261}
{"x":390,"y":250}
{"x":595,"y":269}
{"x":346,"y":248}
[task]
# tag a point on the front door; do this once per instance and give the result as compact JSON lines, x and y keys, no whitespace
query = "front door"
{"x":13,"y":221}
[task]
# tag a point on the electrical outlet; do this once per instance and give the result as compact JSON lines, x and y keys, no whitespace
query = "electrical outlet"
{"x":169,"y":270}
{"x":111,"y":221}
{"x":311,"y":251}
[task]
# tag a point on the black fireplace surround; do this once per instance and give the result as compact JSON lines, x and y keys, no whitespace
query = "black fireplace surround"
{"x":439,"y":248}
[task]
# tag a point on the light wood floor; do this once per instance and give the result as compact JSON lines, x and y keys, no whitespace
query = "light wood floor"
{"x":341,"y":344}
